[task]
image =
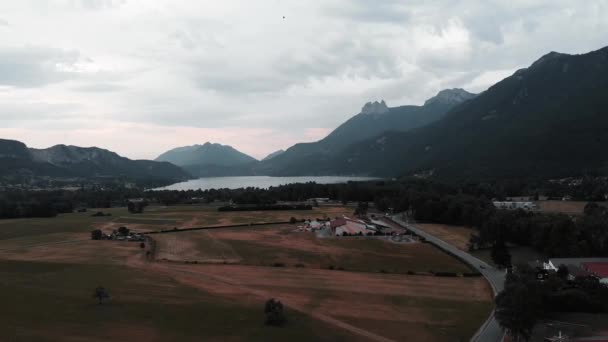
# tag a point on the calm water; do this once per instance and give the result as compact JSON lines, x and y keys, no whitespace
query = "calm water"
{"x":255,"y":181}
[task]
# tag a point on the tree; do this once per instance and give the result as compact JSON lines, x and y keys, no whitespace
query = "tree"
{"x":517,"y":310}
{"x":500,"y":254}
{"x":273,"y":313}
{"x":124,"y":231}
{"x":101,"y":294}
{"x":593,"y":208}
{"x":96,"y":234}
{"x":562,"y":272}
{"x":361,"y":209}
{"x":136,"y":207}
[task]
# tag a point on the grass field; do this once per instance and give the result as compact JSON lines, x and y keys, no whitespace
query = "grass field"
{"x":43,"y":301}
{"x":49,"y":268}
{"x":456,"y":235}
{"x":565,"y":207}
{"x":269,"y":245}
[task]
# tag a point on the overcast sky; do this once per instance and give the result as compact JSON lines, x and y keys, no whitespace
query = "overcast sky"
{"x":141,"y":76}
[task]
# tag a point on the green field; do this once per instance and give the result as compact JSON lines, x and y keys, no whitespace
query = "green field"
{"x":42,"y":301}
{"x":272,"y":245}
{"x":49,"y":268}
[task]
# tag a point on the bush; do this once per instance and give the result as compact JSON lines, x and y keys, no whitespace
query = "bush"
{"x":300,"y":265}
{"x":96,"y":234}
{"x":273,"y":313}
{"x":471,"y":274}
{"x":278,"y":264}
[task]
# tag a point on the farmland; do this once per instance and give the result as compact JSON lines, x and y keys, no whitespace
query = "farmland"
{"x":334,"y":288}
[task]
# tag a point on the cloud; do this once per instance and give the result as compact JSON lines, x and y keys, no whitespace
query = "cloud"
{"x":3,"y":22}
{"x":235,"y":71}
{"x":33,"y":66}
{"x":98,"y":87}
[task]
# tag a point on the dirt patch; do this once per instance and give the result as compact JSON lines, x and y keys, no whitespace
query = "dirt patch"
{"x":564,"y":207}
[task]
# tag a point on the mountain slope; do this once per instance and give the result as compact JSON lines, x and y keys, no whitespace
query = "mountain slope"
{"x":273,"y":154}
{"x":63,"y":161}
{"x":210,"y":160}
{"x":548,"y":120}
{"x":375,"y":118}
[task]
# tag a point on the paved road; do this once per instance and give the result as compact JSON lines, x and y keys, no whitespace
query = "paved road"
{"x":490,"y":331}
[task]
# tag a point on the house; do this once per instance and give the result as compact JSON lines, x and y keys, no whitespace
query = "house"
{"x":346,"y":226}
{"x":314,"y":225}
{"x":598,"y":269}
{"x":576,"y":272}
{"x":581,"y":267}
{"x":317,"y":200}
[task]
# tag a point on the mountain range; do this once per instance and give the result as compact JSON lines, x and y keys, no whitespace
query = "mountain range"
{"x":374,"y":119}
{"x":18,"y":162}
{"x":545,"y":121}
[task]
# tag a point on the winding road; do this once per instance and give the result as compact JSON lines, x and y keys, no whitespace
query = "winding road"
{"x":490,"y":331}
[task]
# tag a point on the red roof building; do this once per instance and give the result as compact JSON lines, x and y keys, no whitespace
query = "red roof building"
{"x":599,"y":269}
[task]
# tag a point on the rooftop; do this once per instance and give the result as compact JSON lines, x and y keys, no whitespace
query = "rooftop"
{"x":598,"y":268}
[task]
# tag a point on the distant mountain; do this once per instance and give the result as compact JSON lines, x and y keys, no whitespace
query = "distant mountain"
{"x":210,"y":160}
{"x":273,"y":154}
{"x":375,"y":118}
{"x":548,"y":120}
{"x":63,"y":161}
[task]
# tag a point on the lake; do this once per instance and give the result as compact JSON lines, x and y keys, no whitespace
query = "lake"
{"x":263,"y":182}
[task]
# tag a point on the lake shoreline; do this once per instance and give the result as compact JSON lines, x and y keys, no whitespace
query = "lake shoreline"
{"x":262,"y":182}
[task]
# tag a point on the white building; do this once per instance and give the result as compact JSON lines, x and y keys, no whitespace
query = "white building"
{"x":515,"y":205}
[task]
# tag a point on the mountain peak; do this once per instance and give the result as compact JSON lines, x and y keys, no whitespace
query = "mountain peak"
{"x":374,"y":108}
{"x":450,"y":96}
{"x":548,"y":57}
{"x":208,"y":153}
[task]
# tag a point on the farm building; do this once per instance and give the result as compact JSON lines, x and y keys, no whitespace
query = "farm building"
{"x":347,"y":226}
{"x":515,"y":205}
{"x":314,"y":225}
{"x":596,"y":267}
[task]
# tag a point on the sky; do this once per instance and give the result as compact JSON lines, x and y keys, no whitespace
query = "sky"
{"x":140,"y":77}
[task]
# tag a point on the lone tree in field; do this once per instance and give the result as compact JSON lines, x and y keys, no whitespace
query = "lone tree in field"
{"x":124,"y":231}
{"x":101,"y":294}
{"x":96,"y":234}
{"x":273,"y":313}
